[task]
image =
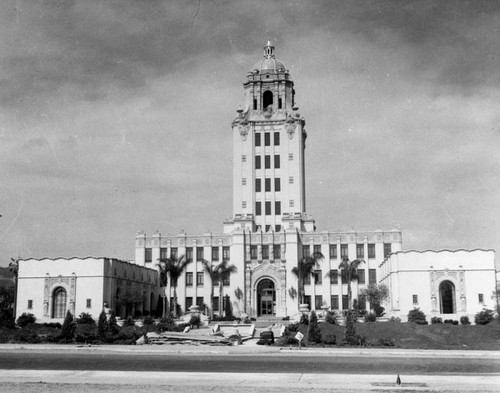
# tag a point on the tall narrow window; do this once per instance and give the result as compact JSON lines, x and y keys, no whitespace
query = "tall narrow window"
{"x":277,"y":207}
{"x":280,"y":101}
{"x":318,"y":277}
{"x":276,"y":139}
{"x":268,"y":162}
{"x":226,"y":253}
{"x":333,"y":251}
{"x":334,"y":299}
{"x":278,"y":228}
{"x":415,"y":300}
{"x":360,"y":251}
{"x":253,"y":252}
{"x":30,"y":304}
{"x":254,"y":104}
{"x":199,"y":279}
{"x":189,"y":254}
{"x":334,"y":277}
{"x":371,"y":250}
{"x":267,"y":98}
{"x":173,"y":253}
{"x":387,"y":249}
{"x":258,"y":187}
{"x":277,"y":184}
{"x":277,"y":251}
{"x":372,"y":276}
{"x":268,"y":185}
{"x":267,"y":139}
{"x":268,"y":208}
{"x":277,"y":161}
{"x":59,"y":303}
{"x":265,"y":252}
{"x":257,"y":139}
{"x":318,"y":301}
{"x":257,"y":162}
{"x":163,"y":253}
{"x":189,"y":279}
{"x":361,"y":276}
{"x":148,"y":255}
{"x":89,"y":303}
{"x":189,"y":302}
{"x":258,"y":208}
{"x":306,"y":251}
{"x":343,"y":251}
{"x":199,"y":253}
{"x":317,"y":248}
{"x":215,"y":254}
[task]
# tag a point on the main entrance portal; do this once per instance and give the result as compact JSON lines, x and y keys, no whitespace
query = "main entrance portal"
{"x":266,"y":298}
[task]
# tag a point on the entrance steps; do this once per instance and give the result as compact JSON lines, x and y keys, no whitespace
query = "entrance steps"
{"x":264,"y":323}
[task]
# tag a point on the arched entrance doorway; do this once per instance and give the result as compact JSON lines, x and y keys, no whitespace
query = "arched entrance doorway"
{"x":447,"y":296}
{"x":266,"y":297}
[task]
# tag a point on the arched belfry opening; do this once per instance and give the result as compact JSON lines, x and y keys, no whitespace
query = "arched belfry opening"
{"x":447,"y":297}
{"x":267,"y":99}
{"x":266,"y":297}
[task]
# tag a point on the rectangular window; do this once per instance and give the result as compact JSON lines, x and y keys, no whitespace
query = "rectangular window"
{"x":290,"y":156}
{"x":258,"y":208}
{"x":280,"y":104}
{"x":307,"y":279}
{"x":268,"y":228}
{"x":200,"y":303}
{"x":258,"y":185}
{"x":189,"y":279}
{"x":89,"y":303}
{"x":360,"y":251}
{"x":268,"y":208}
{"x":226,"y":253}
{"x":306,"y":251}
{"x":148,"y":255}
{"x":226,"y":280}
{"x":343,"y":276}
{"x":189,"y":302}
{"x":277,"y":207}
{"x":267,"y":162}
{"x":173,"y":253}
{"x":277,"y":137}
{"x":254,"y":104}
{"x":334,"y":277}
{"x":278,"y":227}
{"x":243,"y":204}
{"x":387,"y":249}
{"x":277,"y":184}
{"x":307,"y":300}
{"x":30,"y":304}
{"x":244,"y":181}
{"x":361,"y":276}
{"x":257,"y":139}
{"x":317,"y":248}
{"x":333,"y":251}
{"x":199,"y":253}
{"x":189,"y":254}
{"x":343,"y":251}
{"x":257,"y":162}
{"x":243,"y":158}
{"x":265,"y":252}
{"x":372,"y":276}
{"x":277,"y":251}
{"x":480,"y":298}
{"x":334,"y":299}
{"x":215,"y":254}
{"x":267,"y":139}
{"x":215,"y":303}
{"x":163,"y":253}
{"x":415,"y":299}
{"x":268,"y":185}
{"x":318,"y":302}
{"x":371,"y":250}
{"x":345,"y":302}
{"x":199,"y":279}
{"x":290,"y":180}
{"x":318,"y":278}
{"x":277,"y":161}
{"x":253,"y":252}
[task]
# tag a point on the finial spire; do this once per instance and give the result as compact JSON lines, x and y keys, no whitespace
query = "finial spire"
{"x":269,"y":50}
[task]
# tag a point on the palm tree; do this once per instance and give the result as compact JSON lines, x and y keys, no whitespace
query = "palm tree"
{"x":217,"y":273}
{"x":162,"y":266}
{"x":351,"y":271}
{"x":304,"y":268}
{"x":175,"y":268}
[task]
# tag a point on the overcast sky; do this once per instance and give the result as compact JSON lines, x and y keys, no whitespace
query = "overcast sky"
{"x":115,"y":117}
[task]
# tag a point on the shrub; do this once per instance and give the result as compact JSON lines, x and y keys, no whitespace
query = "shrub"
{"x":148,"y":320}
{"x":102,"y":325}
{"x":68,"y":327}
{"x":330,"y":339}
{"x":451,"y":321}
{"x":417,"y":316}
{"x":25,"y":319}
{"x":113,"y":327}
{"x":85,"y":319}
{"x":85,"y":333}
{"x":56,"y":325}
{"x":387,"y":342}
{"x":436,"y":320}
{"x":7,"y":319}
{"x":195,"y":321}
{"x":313,"y":331}
{"x":27,"y":336}
{"x":464,"y":320}
{"x":128,"y":335}
{"x":379,"y":310}
{"x":350,"y":338}
{"x":331,"y":318}
{"x":395,"y":320}
{"x":292,"y":327}
{"x":129,"y":322}
{"x":304,"y":319}
{"x":370,"y":317}
{"x":483,"y":317}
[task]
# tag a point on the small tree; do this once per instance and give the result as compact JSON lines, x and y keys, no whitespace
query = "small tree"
{"x":313,"y":331}
{"x":25,"y":319}
{"x":484,"y":317}
{"x":417,"y":316}
{"x":113,"y":327}
{"x":102,"y":325}
{"x":376,"y":294}
{"x":351,"y":274}
{"x":305,"y":268}
{"x":85,"y":319}
{"x":129,"y":298}
{"x":14,"y":269}
{"x":68,"y":328}
{"x":351,"y":338}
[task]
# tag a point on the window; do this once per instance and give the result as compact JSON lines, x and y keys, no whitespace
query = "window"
{"x":318,"y":302}
{"x":268,"y":185}
{"x":173,"y":252}
{"x":343,"y":251}
{"x":333,"y":251}
{"x":59,"y":303}
{"x":277,"y":251}
{"x":215,"y":254}
{"x":415,"y":299}
{"x":265,"y":252}
{"x":258,"y":185}
{"x":268,"y":208}
{"x":163,"y":253}
{"x":317,"y":248}
{"x":278,"y":227}
{"x":255,"y":104}
{"x":268,"y":228}
{"x":226,"y":279}
{"x":307,"y":279}
{"x":226,"y":253}
{"x":199,"y":253}
{"x":244,"y":181}
{"x":334,"y":277}
{"x":243,"y":158}
{"x":243,"y":204}
{"x":306,"y":251}
{"x":343,"y":276}
{"x":253,"y":252}
{"x":480,"y":298}
{"x":200,"y":303}
{"x":372,"y":276}
{"x":277,"y":136}
{"x":290,"y":156}
{"x":360,"y":250}
{"x":277,"y":184}
{"x":290,"y":180}
{"x":257,"y":139}
{"x":307,"y":300}
{"x":291,"y":203}
{"x":199,"y":279}
{"x":345,"y":302}
{"x":267,"y":139}
{"x":148,"y":255}
{"x":215,"y":303}
{"x":89,"y":303}
{"x":189,"y":254}
{"x":30,"y":304}
{"x":334,"y":299}
{"x":189,"y":302}
{"x":280,"y":103}
{"x":189,"y":279}
{"x":257,"y":162}
{"x":371,"y":250}
{"x":318,"y":279}
{"x":277,"y":207}
{"x":387,"y":249}
{"x":267,"y":162}
{"x":361,"y":276}
{"x":277,"y":161}
{"x":258,"y":208}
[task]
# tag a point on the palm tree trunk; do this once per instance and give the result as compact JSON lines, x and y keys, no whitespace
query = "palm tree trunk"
{"x":212,"y":301}
{"x":175,"y":301}
{"x":221,"y":304}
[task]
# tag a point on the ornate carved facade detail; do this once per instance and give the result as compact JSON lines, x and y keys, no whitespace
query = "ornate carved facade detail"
{"x":244,"y":128}
{"x":290,"y":126}
{"x":458,"y":280}
{"x":51,"y":283}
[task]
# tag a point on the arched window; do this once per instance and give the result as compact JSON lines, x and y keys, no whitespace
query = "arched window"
{"x":447,"y":295}
{"x":267,"y":98}
{"x":59,"y":303}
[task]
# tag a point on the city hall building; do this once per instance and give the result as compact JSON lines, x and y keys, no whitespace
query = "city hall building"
{"x":269,"y":232}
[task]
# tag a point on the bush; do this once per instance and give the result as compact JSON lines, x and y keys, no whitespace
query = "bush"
{"x":7,"y":319}
{"x":464,"y":320}
{"x":102,"y":325}
{"x":436,"y":320}
{"x":148,"y":320}
{"x":350,"y":338}
{"x":417,"y":316}
{"x":370,"y":317}
{"x":451,"y":321}
{"x":68,"y":328}
{"x":386,"y":342}
{"x":292,"y":327}
{"x":394,"y":320}
{"x":330,"y":339}
{"x":129,"y":322}
{"x":195,"y":321}
{"x":304,"y":319}
{"x":27,"y":335}
{"x":484,"y":317}
{"x":85,"y":333}
{"x":113,"y":327}
{"x":25,"y":319}
{"x":128,"y":335}
{"x":56,"y":325}
{"x":331,"y":317}
{"x":313,"y":331}
{"x":85,"y":319}
{"x":379,"y":310}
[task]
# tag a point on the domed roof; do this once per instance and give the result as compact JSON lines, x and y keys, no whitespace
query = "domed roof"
{"x":269,"y":63}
